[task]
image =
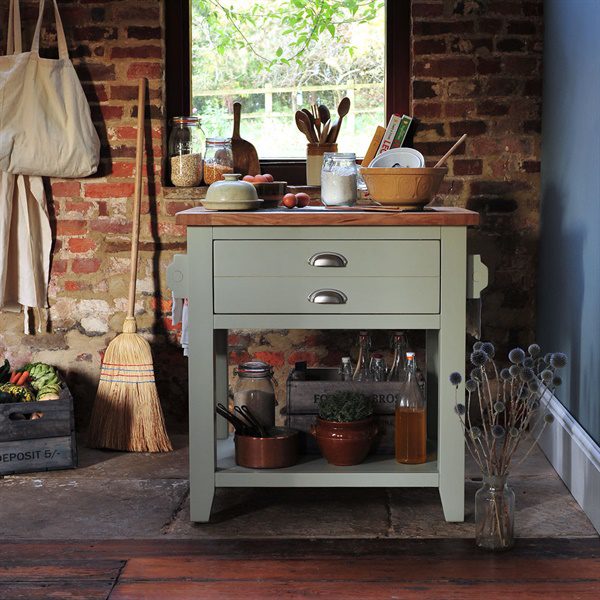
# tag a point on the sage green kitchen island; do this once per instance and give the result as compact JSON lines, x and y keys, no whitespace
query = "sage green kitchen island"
{"x":319,"y":268}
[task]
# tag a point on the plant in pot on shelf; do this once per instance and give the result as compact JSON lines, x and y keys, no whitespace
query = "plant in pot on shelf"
{"x":345,"y":428}
{"x":512,"y":404}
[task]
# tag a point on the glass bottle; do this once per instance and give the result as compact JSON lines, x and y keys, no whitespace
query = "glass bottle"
{"x":411,"y":421}
{"x":254,"y":389}
{"x":397,"y":371}
{"x":362,"y":372}
{"x":339,"y":179}
{"x":346,"y":370}
{"x":494,"y":513}
{"x":186,"y":143}
{"x":378,"y":367}
{"x":218,"y":159}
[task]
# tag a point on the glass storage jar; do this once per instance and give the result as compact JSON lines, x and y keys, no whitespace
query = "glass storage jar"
{"x":186,"y":142}
{"x":254,"y":389}
{"x":339,"y":179}
{"x":494,"y":513}
{"x":218,"y":159}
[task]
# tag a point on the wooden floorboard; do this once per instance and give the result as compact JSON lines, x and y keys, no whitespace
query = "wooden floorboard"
{"x":545,"y":569}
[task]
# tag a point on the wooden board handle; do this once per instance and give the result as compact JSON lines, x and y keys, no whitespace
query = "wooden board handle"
{"x":237,"y":115}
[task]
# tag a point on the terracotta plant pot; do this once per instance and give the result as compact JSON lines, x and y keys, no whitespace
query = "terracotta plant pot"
{"x":345,"y":444}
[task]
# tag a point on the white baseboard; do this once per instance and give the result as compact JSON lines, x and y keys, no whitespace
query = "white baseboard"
{"x":575,"y":457}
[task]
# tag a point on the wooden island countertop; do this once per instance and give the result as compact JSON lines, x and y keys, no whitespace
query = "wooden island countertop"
{"x":323,"y":217}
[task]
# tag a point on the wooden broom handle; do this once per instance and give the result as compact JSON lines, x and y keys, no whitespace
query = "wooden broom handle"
{"x":139,"y":159}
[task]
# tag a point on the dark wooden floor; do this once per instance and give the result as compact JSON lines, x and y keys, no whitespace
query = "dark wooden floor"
{"x":348,"y":569}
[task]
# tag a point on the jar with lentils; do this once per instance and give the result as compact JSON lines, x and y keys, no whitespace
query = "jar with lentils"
{"x":186,"y":142}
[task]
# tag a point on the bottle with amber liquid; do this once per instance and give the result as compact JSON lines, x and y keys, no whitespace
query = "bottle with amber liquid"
{"x":411,"y":421}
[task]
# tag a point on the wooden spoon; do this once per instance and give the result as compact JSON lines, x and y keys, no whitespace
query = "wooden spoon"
{"x":309,"y":131}
{"x":324,"y":113}
{"x":324,"y":132}
{"x":245,"y":157}
{"x":444,"y":158}
{"x":311,"y":120}
{"x":343,"y":110}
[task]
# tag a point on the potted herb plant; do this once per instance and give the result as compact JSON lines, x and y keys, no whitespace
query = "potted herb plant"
{"x":345,"y":428}
{"x":512,"y":404}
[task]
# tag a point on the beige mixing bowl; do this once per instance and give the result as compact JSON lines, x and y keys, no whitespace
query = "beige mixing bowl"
{"x":403,"y":188}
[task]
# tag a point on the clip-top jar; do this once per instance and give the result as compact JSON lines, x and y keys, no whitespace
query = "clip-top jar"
{"x":186,"y":142}
{"x":339,"y":179}
{"x":254,"y":389}
{"x":218,"y":159}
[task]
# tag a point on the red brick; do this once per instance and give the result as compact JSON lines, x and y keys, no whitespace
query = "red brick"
{"x":66,"y":189}
{"x":467,"y":167}
{"x":94,"y":33}
{"x":144,"y":33}
{"x":424,"y":110}
{"x":136,"y":52}
{"x":105,"y":225}
{"x":469,"y":127}
{"x":302,"y":355}
{"x":511,"y":45}
{"x":130,"y":133}
{"x":78,"y":245}
{"x":86,"y":265}
{"x":502,"y":7}
{"x":445,"y":67}
{"x":502,"y":86}
{"x":441,"y":27}
{"x":521,"y":27}
{"x":123,"y":169}
{"x":72,"y":286}
{"x":149,"y":70}
{"x":81,"y":207}
{"x":108,"y":190}
{"x":174,"y":207}
{"x":133,"y":13}
{"x":94,"y":93}
{"x":71,"y":227}
{"x":423,"y":90}
{"x":95,"y":72}
{"x":428,"y":9}
{"x":492,"y":108}
{"x":459,"y":109}
{"x":533,"y":87}
{"x":531,"y":166}
{"x":59,"y":266}
{"x":109,"y":113}
{"x":489,"y":65}
{"x":130,"y":92}
{"x":490,"y":25}
{"x":429,"y":46}
{"x":275,"y":359}
{"x":522,"y":65}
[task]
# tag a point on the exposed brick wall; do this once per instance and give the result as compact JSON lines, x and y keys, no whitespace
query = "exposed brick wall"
{"x":476,"y":71}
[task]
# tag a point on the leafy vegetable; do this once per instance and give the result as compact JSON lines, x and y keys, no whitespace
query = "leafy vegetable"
{"x":345,"y":407}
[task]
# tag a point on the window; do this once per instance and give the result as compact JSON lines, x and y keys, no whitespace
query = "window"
{"x":208,"y":69}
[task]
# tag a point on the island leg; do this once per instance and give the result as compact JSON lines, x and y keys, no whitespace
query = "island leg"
{"x":451,"y":357}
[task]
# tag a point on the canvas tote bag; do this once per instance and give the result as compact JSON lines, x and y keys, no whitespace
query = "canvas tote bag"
{"x":25,"y":234}
{"x":45,"y":122}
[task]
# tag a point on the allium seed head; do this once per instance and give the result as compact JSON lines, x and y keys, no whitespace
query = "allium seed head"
{"x":475,"y":432}
{"x":499,"y":407}
{"x":460,"y":409}
{"x":498,"y":431}
{"x":533,"y":403}
{"x":527,"y":374}
{"x":533,"y":386}
{"x":455,"y":378}
{"x":558,"y":360}
{"x":479,"y":358}
{"x":547,"y":375}
{"x":475,"y":374}
{"x":528,"y":362}
{"x":489,"y":349}
{"x":557,"y":380}
{"x":470,"y":385}
{"x":534,"y":350}
{"x":514,"y":370}
{"x":516,"y":356}
{"x":549,"y":418}
{"x":477,"y":346}
{"x":505,"y":374}
{"x":513,"y":432}
{"x":547,"y":358}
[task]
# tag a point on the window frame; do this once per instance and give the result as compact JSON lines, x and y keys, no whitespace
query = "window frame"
{"x":178,"y":72}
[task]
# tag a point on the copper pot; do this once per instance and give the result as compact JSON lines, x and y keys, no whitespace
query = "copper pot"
{"x":345,"y":444}
{"x":277,"y":451}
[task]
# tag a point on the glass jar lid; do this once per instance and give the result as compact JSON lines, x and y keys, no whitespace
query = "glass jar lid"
{"x":190,"y":120}
{"x":254,"y":368}
{"x":218,"y":141}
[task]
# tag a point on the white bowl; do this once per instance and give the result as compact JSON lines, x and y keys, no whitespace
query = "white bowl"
{"x":407,"y":158}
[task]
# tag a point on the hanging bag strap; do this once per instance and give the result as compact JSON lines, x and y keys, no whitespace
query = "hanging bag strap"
{"x":14,"y":43}
{"x":60,"y":32}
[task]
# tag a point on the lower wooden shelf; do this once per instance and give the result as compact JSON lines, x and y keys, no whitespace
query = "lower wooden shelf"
{"x":315,"y":471}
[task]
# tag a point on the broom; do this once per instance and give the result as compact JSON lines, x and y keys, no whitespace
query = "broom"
{"x":127,"y":413}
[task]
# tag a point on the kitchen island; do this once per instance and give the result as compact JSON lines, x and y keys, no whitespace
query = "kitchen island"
{"x":318,"y":268}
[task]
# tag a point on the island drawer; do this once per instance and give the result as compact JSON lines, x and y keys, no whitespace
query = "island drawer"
{"x":326,"y":258}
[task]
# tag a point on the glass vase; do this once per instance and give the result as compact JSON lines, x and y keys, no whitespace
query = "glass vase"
{"x":494,"y":514}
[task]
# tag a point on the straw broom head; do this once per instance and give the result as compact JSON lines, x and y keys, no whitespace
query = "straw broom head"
{"x":127,"y":413}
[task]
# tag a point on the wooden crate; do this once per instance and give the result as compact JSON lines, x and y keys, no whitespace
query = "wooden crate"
{"x":43,"y":444}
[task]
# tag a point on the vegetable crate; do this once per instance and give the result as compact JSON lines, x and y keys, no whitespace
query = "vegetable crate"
{"x":46,"y":443}
{"x":303,"y":397}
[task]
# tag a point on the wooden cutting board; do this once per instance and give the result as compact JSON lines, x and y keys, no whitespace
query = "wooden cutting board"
{"x":245,"y":157}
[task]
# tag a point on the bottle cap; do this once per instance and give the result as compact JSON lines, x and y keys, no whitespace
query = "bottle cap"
{"x":410,"y":356}
{"x":345,"y":359}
